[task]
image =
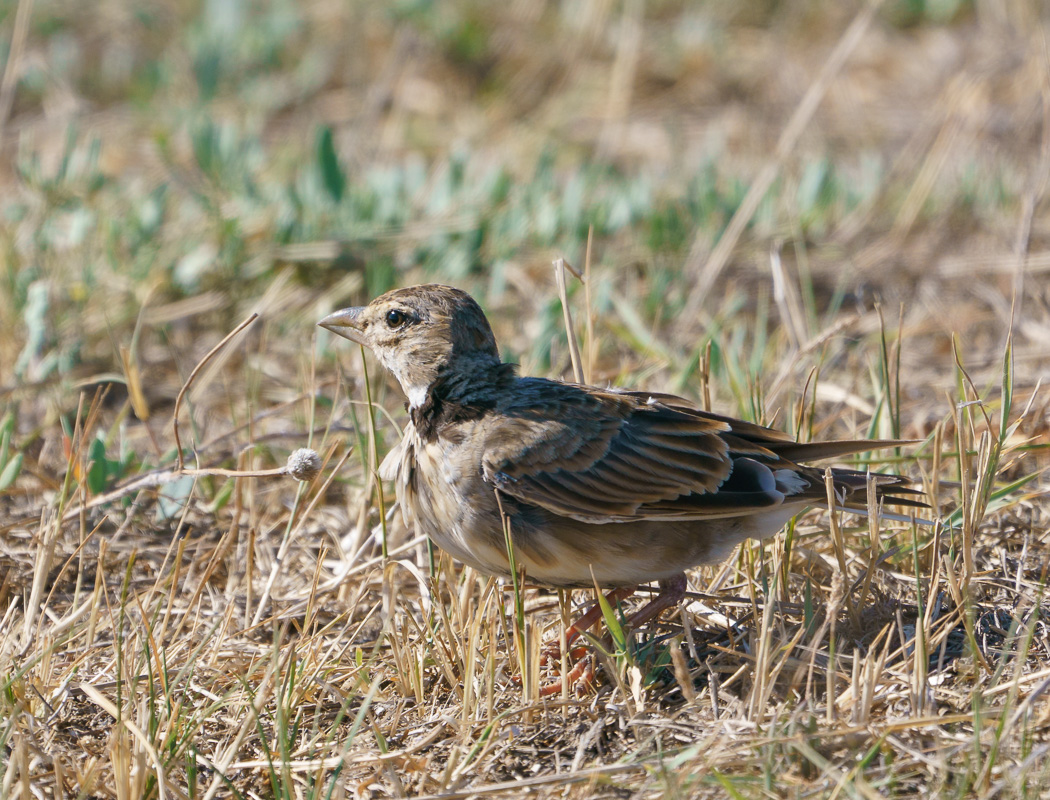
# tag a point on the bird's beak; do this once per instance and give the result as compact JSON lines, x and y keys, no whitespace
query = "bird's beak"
{"x":344,"y":323}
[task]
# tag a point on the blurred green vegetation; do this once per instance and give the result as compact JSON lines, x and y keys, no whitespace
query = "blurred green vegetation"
{"x":177,"y":150}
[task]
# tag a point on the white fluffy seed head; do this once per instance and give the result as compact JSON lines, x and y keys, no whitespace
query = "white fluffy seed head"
{"x":304,"y":464}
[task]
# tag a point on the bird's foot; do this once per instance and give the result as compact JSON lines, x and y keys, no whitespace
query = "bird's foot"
{"x":578,"y":679}
{"x":551,"y":652}
{"x":581,"y":676}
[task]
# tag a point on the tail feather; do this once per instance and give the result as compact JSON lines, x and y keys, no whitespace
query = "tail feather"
{"x":815,"y":451}
{"x":862,"y":511}
{"x":851,"y":489}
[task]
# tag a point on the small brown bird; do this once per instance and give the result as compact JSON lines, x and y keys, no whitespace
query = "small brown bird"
{"x":599,"y":486}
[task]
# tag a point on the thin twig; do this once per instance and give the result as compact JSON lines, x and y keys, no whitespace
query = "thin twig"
{"x":592,"y":349}
{"x":560,"y":265}
{"x":193,"y":375}
{"x":14,"y":61}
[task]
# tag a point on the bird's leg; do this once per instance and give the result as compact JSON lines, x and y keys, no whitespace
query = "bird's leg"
{"x":552,"y":652}
{"x":672,"y":592}
{"x":582,"y":671}
{"x":594,"y":613}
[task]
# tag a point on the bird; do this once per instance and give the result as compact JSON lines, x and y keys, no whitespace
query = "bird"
{"x":602,"y":487}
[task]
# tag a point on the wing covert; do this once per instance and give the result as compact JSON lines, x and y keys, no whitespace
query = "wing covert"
{"x":648,"y":459}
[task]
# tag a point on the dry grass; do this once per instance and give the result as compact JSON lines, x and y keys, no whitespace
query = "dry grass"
{"x":174,"y":630}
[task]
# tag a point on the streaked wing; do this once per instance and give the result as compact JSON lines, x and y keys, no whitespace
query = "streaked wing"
{"x":646,"y":459}
{"x":781,"y":451}
{"x":606,"y":456}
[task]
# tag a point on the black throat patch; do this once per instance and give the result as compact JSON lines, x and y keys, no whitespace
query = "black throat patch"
{"x":437,"y":413}
{"x":455,"y":398}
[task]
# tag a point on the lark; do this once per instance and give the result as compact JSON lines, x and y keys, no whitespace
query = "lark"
{"x":599,"y":486}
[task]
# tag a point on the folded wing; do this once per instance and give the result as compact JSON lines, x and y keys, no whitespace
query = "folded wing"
{"x":606,"y":456}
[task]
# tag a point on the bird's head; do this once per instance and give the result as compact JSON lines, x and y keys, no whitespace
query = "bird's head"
{"x":420,"y":333}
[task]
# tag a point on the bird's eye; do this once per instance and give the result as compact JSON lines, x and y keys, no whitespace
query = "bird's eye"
{"x":394,"y":318}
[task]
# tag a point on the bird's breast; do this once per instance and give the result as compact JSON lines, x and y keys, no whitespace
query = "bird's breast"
{"x":443,"y":495}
